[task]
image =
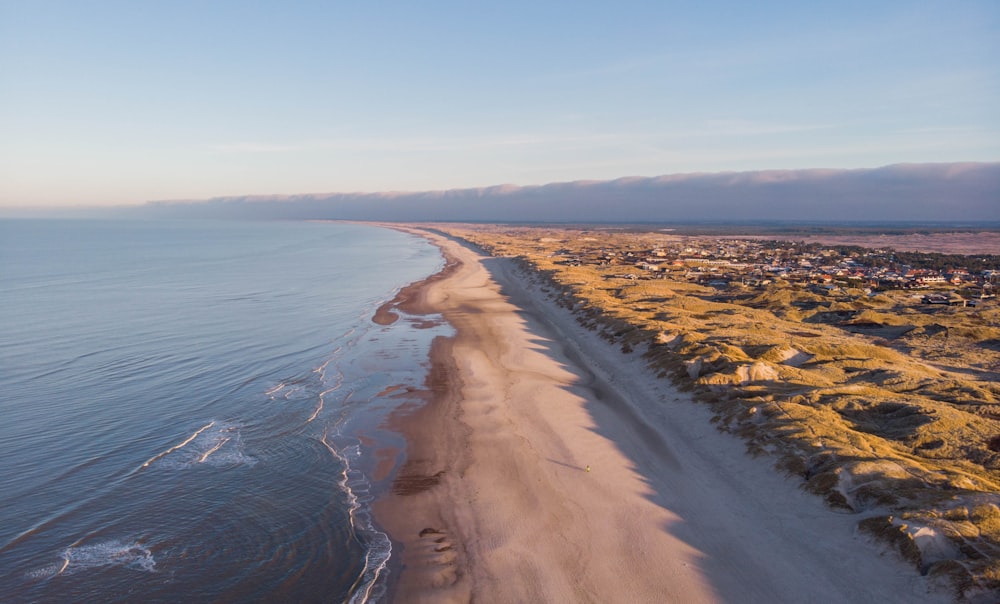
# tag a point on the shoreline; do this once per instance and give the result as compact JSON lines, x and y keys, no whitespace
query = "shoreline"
{"x":413,"y":511}
{"x":412,"y":298}
{"x":495,"y":501}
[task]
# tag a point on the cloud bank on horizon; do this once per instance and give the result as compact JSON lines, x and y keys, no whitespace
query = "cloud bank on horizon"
{"x":957,"y":192}
{"x":113,"y":103}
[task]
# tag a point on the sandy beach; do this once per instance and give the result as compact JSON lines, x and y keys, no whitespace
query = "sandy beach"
{"x":548,"y":466}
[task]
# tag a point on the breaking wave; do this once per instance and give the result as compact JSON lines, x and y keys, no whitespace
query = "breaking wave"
{"x":216,"y":444}
{"x":77,"y":558}
{"x":377,"y":545}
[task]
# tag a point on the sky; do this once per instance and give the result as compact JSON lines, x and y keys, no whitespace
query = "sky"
{"x":121,"y":102}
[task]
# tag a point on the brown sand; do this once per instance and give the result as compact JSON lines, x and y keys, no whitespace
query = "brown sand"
{"x":548,"y":467}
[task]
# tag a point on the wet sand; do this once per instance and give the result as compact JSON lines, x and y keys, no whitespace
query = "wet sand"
{"x":543,"y":465}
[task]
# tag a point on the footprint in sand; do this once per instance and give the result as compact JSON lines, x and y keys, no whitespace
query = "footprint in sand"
{"x":434,"y":549}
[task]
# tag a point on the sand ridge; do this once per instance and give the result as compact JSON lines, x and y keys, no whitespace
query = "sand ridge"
{"x":495,"y":502}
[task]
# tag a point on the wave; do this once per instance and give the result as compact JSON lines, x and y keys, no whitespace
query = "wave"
{"x":376,"y":544}
{"x":291,"y":388}
{"x":220,"y":442}
{"x":183,"y":444}
{"x":76,"y":558}
{"x":285,"y":390}
{"x":214,"y":444}
{"x":321,"y":399}
{"x":319,"y":407}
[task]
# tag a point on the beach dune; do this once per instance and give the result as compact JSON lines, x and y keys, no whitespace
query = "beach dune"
{"x":548,"y":466}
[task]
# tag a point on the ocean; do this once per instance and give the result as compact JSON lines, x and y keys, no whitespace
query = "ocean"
{"x":194,"y":411}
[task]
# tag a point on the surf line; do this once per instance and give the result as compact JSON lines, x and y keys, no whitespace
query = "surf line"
{"x":362,"y":587}
{"x":180,"y":446}
{"x":322,"y":402}
{"x":319,"y":408}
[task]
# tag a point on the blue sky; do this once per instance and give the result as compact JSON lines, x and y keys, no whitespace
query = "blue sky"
{"x":122,"y":102}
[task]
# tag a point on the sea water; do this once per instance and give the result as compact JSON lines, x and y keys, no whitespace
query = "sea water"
{"x":189,"y":410}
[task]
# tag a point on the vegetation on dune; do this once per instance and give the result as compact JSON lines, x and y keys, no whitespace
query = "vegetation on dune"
{"x":884,"y":407}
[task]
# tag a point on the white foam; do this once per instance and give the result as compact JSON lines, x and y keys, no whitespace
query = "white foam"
{"x":285,"y":390}
{"x":217,"y":444}
{"x":215,"y":448}
{"x":321,"y":370}
{"x":378,"y":547}
{"x":178,"y":447}
{"x":76,"y":558}
{"x":47,"y":571}
{"x":319,"y":408}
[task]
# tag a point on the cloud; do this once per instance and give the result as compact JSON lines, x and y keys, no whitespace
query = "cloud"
{"x":902,"y":192}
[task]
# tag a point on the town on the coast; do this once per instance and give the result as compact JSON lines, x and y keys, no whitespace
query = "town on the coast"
{"x":948,"y":279}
